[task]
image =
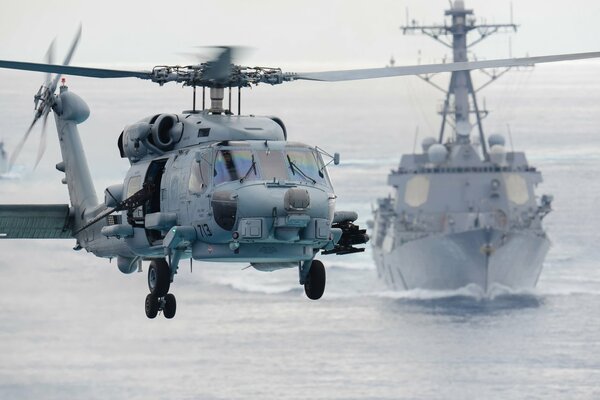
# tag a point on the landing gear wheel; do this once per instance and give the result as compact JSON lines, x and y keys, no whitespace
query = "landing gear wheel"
{"x":159,"y":277}
{"x":151,"y":306}
{"x":170,"y":306}
{"x":315,"y":281}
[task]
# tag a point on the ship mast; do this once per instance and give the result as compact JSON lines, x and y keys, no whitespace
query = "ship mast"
{"x":461,"y":100}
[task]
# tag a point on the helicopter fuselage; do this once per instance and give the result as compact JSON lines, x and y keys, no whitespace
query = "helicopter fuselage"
{"x":223,"y":188}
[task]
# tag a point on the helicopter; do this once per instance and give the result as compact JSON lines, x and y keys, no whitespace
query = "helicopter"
{"x":205,"y":184}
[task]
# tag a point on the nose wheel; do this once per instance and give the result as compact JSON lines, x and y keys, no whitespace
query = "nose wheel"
{"x":159,"y":282}
{"x":314,"y":280}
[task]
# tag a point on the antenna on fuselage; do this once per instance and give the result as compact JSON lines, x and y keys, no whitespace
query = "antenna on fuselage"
{"x":194,"y":100}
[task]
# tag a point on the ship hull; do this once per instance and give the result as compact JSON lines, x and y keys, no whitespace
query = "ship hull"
{"x":484,"y":257}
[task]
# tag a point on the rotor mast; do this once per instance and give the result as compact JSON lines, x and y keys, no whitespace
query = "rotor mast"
{"x":460,"y":93}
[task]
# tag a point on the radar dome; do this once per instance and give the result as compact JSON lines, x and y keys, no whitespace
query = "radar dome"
{"x":427,"y":142}
{"x":496,"y":139}
{"x":463,"y":128}
{"x":437,"y":153}
{"x":497,"y":154}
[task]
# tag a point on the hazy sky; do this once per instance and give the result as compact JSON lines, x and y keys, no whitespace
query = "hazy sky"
{"x":296,"y":36}
{"x":308,"y":33}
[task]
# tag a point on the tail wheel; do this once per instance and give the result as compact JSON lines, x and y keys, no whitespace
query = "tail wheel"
{"x":159,"y":277}
{"x":170,"y":306}
{"x":151,"y":306}
{"x":315,"y":281}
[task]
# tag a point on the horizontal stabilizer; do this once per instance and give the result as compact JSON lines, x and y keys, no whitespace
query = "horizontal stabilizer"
{"x":40,"y":221}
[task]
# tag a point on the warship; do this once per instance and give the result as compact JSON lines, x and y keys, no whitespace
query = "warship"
{"x":464,"y":211}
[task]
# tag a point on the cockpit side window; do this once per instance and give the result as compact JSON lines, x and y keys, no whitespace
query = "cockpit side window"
{"x":199,"y":173}
{"x":232,"y":164}
{"x":196,"y":182}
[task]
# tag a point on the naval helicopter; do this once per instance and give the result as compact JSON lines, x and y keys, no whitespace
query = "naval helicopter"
{"x":205,"y":184}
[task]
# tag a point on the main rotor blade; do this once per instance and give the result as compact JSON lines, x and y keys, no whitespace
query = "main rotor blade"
{"x":219,"y":69}
{"x":372,"y":73}
{"x":75,"y":71}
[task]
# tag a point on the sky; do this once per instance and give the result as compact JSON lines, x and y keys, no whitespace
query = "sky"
{"x":296,"y":36}
{"x":308,"y":34}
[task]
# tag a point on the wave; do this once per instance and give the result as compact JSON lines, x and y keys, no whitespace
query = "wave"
{"x":567,"y":291}
{"x":15,"y":173}
{"x":356,"y":280}
{"x":246,"y":286}
{"x":252,"y":281}
{"x":354,"y":266}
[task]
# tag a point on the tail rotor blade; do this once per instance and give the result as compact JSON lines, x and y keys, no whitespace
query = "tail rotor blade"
{"x":45,"y":95}
{"x":43,"y":140}
{"x":68,"y":57}
{"x":15,"y":154}
{"x":50,"y":60}
{"x":73,"y":47}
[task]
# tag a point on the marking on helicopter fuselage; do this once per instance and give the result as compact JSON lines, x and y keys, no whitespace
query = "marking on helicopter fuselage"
{"x":205,"y":230}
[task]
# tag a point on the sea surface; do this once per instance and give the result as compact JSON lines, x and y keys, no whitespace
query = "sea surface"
{"x":73,"y":327}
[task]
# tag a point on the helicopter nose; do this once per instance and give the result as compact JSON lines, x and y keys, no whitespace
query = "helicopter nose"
{"x":296,"y":200}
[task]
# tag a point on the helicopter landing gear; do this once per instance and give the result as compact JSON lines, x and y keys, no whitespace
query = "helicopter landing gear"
{"x":152,"y":306}
{"x":167,"y":304}
{"x":170,"y":306}
{"x":313,"y":279}
{"x":159,"y":277}
{"x":159,"y":282}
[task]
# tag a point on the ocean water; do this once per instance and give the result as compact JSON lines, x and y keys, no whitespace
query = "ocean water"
{"x":72,"y":326}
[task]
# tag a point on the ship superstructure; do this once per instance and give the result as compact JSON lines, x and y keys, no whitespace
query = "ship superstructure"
{"x":463,"y":211}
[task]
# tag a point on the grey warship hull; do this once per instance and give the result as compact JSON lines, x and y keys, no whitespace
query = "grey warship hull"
{"x":487,"y":258}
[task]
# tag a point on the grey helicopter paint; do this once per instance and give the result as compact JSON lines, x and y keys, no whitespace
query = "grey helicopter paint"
{"x":464,"y":211}
{"x":203,"y":184}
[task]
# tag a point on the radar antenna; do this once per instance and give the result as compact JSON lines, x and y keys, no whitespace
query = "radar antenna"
{"x":460,"y":89}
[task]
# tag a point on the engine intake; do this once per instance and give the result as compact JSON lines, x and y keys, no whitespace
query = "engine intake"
{"x":166,"y":131}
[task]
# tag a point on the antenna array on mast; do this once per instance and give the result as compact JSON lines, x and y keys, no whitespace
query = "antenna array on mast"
{"x":461,"y":101}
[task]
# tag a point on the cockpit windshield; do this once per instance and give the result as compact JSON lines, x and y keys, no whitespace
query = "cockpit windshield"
{"x":293,"y":164}
{"x":303,"y":166}
{"x":233,"y":164}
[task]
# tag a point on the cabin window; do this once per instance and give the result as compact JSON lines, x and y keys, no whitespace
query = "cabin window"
{"x":231,"y":165}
